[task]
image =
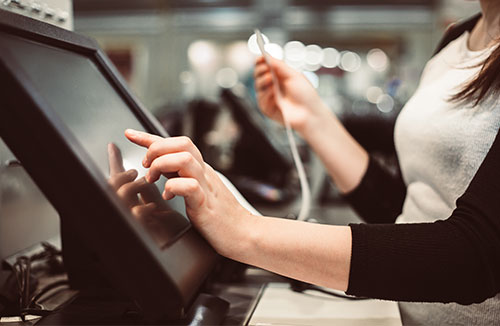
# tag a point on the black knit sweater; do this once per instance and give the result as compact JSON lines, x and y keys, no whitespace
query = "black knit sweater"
{"x":454,"y":260}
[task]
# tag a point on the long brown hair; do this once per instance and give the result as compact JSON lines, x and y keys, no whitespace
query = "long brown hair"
{"x":486,"y":83}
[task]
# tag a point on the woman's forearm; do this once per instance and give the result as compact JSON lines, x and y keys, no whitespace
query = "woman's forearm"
{"x":344,"y":158}
{"x":309,"y":252}
{"x":315,"y":253}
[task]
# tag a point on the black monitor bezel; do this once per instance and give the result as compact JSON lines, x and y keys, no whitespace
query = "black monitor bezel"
{"x":163,"y":282}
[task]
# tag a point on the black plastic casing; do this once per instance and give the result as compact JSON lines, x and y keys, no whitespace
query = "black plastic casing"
{"x":163,"y":281}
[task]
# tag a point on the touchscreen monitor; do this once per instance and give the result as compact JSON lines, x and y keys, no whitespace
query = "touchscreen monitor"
{"x":63,"y":113}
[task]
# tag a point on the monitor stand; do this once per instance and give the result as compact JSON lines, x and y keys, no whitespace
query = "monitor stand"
{"x":97,"y":303}
{"x":107,"y":308}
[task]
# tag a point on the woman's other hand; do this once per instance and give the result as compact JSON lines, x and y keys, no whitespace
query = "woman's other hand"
{"x":297,"y":98}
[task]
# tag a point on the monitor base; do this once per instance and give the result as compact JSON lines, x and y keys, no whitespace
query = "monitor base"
{"x":109,"y":309}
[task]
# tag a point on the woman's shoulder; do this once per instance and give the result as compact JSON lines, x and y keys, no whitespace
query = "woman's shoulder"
{"x":455,"y":30}
{"x":452,"y":51}
{"x":450,"y":57}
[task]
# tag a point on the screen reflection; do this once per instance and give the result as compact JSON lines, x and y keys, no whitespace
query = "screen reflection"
{"x":144,"y":200}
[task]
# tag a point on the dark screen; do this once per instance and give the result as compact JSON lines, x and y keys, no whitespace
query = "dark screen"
{"x":89,"y":106}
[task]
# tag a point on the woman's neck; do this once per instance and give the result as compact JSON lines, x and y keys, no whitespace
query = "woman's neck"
{"x":491,"y":14}
{"x":487,"y":30}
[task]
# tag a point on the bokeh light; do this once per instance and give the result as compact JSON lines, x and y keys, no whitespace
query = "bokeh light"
{"x":295,"y":51}
{"x":385,"y":103}
{"x":350,"y":61}
{"x":373,"y":93}
{"x":331,"y":58}
{"x":377,"y":59}
{"x":202,"y":53}
{"x":313,"y":55}
{"x":239,"y":57}
{"x":226,"y":77}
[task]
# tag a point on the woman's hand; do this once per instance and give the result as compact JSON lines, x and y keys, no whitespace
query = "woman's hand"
{"x":343,"y":157}
{"x":297,"y":98}
{"x":309,"y":252}
{"x":209,"y":204}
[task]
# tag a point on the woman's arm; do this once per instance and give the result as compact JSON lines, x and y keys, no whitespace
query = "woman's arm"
{"x":454,"y":260}
{"x":349,"y":165}
{"x":457,"y":259}
{"x":343,"y":157}
{"x":313,"y":253}
{"x":380,"y":195}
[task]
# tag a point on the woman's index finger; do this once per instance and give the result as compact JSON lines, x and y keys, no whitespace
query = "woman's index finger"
{"x":141,"y":138}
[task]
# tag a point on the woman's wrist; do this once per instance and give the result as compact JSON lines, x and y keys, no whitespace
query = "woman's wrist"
{"x":317,"y":123}
{"x":343,"y":157}
{"x":241,"y":238}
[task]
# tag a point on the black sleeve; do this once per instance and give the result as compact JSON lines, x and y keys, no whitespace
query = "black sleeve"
{"x":380,"y":195}
{"x":455,"y":260}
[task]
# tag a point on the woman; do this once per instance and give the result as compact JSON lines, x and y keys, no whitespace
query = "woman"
{"x":443,"y":137}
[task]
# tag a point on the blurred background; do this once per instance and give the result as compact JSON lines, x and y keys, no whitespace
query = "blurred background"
{"x":174,"y":51}
{"x":190,"y":62}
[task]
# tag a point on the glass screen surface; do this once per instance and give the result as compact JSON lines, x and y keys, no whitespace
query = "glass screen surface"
{"x":75,"y":89}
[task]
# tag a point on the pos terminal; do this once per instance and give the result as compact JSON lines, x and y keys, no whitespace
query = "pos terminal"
{"x":63,"y":113}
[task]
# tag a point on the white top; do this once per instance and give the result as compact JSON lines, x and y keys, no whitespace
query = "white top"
{"x":440,"y":146}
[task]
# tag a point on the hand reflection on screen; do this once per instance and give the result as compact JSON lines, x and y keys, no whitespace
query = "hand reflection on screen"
{"x":143,"y":200}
